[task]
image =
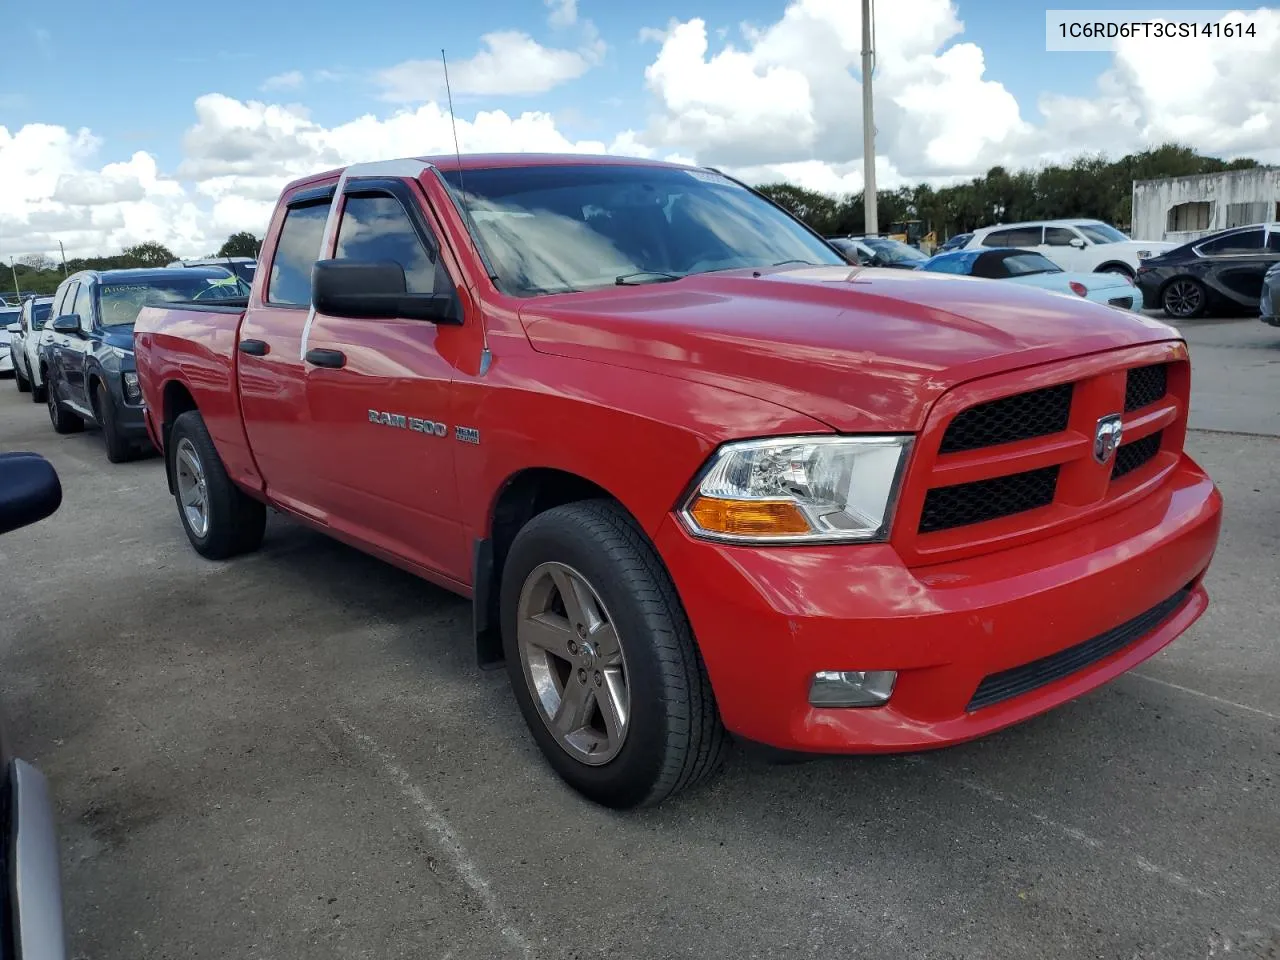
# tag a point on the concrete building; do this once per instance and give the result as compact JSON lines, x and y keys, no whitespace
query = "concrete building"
{"x":1185,"y":208}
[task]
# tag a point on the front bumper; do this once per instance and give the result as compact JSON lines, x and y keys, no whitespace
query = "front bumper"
{"x":767,"y":619}
{"x":6,"y":361}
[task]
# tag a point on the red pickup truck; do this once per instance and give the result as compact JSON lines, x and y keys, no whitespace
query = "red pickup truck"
{"x":697,"y":474}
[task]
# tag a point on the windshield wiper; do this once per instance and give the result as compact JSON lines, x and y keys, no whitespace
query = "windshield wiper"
{"x":646,"y":276}
{"x":807,"y":263}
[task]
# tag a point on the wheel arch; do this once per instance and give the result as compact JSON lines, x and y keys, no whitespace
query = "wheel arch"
{"x":177,"y":400}
{"x":522,"y":496}
{"x":1120,"y":265}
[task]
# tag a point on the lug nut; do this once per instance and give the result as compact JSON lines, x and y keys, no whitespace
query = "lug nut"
{"x":582,"y":631}
{"x":573,"y":647}
{"x":599,"y":679}
{"x":582,"y":675}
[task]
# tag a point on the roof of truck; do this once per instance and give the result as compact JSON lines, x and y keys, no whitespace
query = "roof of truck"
{"x":448,"y":163}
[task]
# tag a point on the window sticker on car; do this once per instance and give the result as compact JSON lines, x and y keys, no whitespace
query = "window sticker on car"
{"x":706,"y":176}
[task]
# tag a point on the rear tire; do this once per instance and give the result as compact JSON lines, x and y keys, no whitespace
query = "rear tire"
{"x":671,"y":734}
{"x":40,"y":391}
{"x":1184,"y":299}
{"x":63,"y":420}
{"x":1119,"y":269}
{"x":233,"y":522}
{"x":119,"y":450}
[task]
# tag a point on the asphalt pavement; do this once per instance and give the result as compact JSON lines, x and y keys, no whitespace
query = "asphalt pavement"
{"x":292,"y":755}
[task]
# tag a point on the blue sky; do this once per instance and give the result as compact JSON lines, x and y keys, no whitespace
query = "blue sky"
{"x":188,"y":138}
{"x":132,"y":79}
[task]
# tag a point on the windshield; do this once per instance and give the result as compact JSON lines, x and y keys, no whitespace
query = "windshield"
{"x":40,"y":313}
{"x":245,"y":271}
{"x":1101,"y":233}
{"x":564,"y":228}
{"x":893,"y":251}
{"x":120,"y":303}
{"x":1025,"y":264}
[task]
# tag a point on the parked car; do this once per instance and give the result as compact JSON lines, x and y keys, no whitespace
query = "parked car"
{"x":1269,"y":302}
{"x":955,"y":243}
{"x":242,"y":267}
{"x":86,"y":354}
{"x":879,"y":251}
{"x":1220,"y":272}
{"x":1080,"y":246}
{"x":694,"y":473}
{"x":24,"y":345}
{"x":8,"y":321}
{"x":1035,"y":270}
{"x":31,"y":915}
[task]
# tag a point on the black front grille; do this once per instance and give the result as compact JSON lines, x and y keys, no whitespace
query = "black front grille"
{"x":965,"y":503}
{"x":1031,"y":676}
{"x":1133,"y":455}
{"x":1019,"y":417}
{"x":1145,"y":385}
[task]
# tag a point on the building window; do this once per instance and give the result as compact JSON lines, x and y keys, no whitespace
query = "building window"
{"x":1244,"y":214}
{"x":1195,"y":215}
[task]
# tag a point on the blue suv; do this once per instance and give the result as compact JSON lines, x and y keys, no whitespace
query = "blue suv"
{"x":86,"y":355}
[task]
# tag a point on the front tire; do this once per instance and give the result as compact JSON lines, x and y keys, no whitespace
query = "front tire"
{"x":119,"y":450}
{"x":220,"y":520}
{"x":1117,"y":268}
{"x":63,"y":420}
{"x":21,"y":382}
{"x":602,"y":659}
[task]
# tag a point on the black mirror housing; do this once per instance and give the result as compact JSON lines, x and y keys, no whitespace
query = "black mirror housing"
{"x":363,"y":289}
{"x":67,"y":323}
{"x":29,"y":490}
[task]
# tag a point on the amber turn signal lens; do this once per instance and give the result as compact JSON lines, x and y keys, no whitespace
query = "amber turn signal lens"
{"x":748,"y":518}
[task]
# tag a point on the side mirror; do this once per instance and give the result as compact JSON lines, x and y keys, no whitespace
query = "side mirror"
{"x":1077,"y":242}
{"x":29,"y":490}
{"x":14,"y":328}
{"x":363,"y":289}
{"x":67,"y":323}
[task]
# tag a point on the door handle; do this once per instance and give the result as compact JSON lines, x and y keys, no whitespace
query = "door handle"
{"x":327,"y":358}
{"x":255,"y":348}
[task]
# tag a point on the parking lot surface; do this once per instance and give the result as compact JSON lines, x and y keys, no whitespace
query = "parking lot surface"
{"x":292,"y":755}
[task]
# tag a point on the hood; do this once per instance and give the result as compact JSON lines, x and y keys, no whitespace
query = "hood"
{"x":858,"y":349}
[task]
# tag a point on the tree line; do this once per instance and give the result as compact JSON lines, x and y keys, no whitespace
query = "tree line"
{"x":1088,"y":186}
{"x":40,"y":274}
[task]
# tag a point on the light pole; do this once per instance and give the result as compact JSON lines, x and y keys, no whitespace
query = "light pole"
{"x":64,"y":259}
{"x":13,"y":265}
{"x":871,"y":221}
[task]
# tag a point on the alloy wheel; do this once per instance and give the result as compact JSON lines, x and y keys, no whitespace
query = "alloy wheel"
{"x":573,"y":662}
{"x":1184,"y":298}
{"x":193,"y":493}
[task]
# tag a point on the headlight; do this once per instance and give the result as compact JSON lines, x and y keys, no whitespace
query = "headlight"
{"x":131,"y":389}
{"x":798,"y":490}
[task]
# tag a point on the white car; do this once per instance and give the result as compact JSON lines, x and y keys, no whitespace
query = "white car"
{"x":8,"y":327}
{"x":24,"y":345}
{"x":1077,"y":246}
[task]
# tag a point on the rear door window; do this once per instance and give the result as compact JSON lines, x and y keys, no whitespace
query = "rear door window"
{"x":1014,"y":237}
{"x":296,"y":253}
{"x":1233,"y":244}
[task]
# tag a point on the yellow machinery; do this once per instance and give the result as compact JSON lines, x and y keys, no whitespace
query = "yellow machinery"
{"x":912,"y":233}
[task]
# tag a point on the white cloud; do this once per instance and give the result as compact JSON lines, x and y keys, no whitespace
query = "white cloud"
{"x":779,"y":103}
{"x":292,"y":80}
{"x":1220,"y":96}
{"x":510,"y":62}
{"x":564,"y":13}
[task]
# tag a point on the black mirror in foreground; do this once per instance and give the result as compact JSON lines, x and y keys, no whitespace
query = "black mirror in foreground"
{"x":67,"y":323}
{"x":348,"y":288}
{"x":29,"y":490}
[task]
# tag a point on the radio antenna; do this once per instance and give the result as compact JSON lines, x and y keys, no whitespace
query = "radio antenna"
{"x":485,"y":356}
